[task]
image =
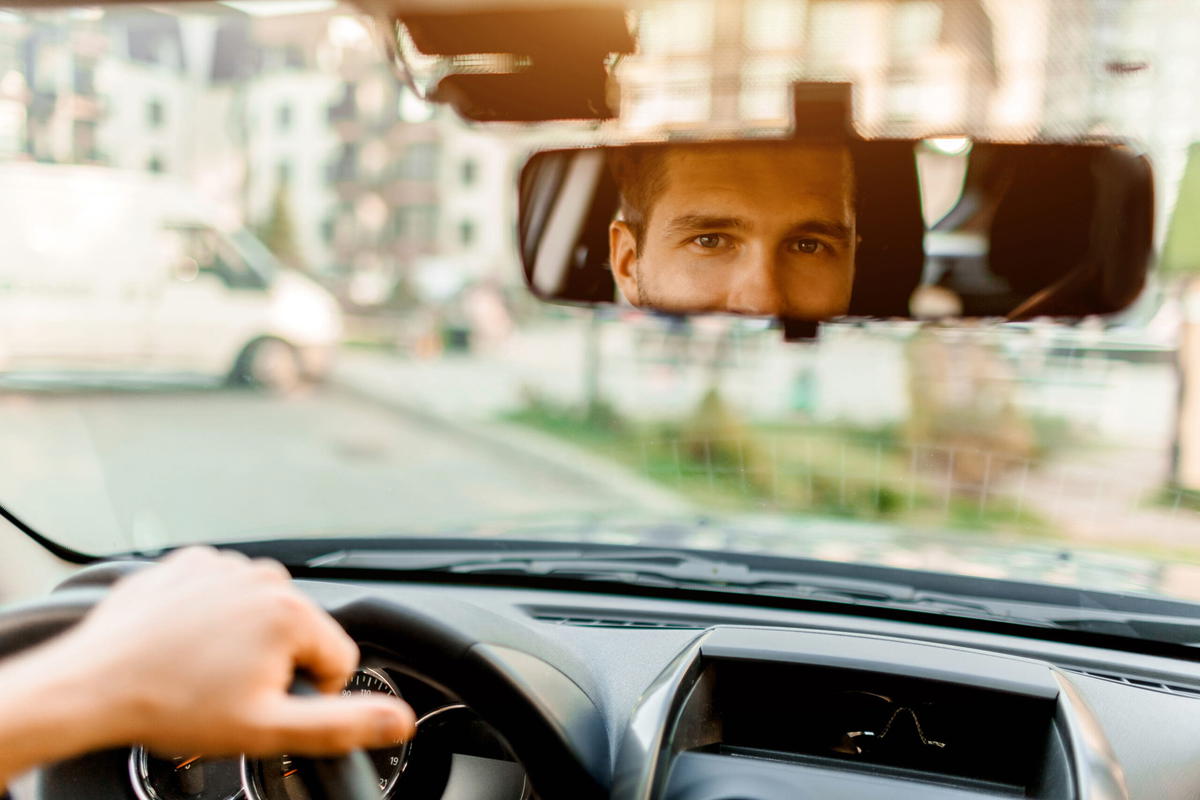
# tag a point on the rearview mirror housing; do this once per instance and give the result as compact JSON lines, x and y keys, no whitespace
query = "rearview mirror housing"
{"x":815,"y":230}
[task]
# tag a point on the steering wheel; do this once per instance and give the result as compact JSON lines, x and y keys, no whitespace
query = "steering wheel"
{"x":346,"y":777}
{"x":478,"y":657}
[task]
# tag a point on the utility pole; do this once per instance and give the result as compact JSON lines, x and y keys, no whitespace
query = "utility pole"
{"x":591,"y":365}
{"x":728,"y":59}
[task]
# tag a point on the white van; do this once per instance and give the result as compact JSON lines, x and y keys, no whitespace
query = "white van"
{"x":104,"y":270}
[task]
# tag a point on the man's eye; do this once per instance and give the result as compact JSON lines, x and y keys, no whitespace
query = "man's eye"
{"x":808,"y":247}
{"x":709,"y":241}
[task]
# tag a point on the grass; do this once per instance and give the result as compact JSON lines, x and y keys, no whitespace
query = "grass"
{"x":1177,"y":497}
{"x":723,"y":464}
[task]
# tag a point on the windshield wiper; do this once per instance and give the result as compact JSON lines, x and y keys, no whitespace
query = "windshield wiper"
{"x":681,"y":569}
{"x":656,"y":567}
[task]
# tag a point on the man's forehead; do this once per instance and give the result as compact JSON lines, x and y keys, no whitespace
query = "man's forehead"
{"x":776,"y":174}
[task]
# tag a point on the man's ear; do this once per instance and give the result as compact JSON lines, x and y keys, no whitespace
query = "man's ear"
{"x":622,"y":256}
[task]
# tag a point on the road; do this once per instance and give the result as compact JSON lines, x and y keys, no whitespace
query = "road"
{"x":104,"y":470}
{"x":113,"y":470}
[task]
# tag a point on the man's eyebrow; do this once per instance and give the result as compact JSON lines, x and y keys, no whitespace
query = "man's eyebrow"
{"x":688,"y":223}
{"x":824,"y":227}
{"x":701,"y":222}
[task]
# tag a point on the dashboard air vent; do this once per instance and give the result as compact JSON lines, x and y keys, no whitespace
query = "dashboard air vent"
{"x":619,"y":621}
{"x":1141,"y":683}
{"x":583,"y":617}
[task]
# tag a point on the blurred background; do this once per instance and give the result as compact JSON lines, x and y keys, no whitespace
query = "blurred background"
{"x":455,"y":402}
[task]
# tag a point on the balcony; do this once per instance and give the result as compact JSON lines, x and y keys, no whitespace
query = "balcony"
{"x":345,"y":109}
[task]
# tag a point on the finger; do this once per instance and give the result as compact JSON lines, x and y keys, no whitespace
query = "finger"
{"x":233,"y":557}
{"x":191,"y":554}
{"x":199,"y":563}
{"x":177,"y":565}
{"x":324,"y":649}
{"x":271,"y":569}
{"x":320,"y":726}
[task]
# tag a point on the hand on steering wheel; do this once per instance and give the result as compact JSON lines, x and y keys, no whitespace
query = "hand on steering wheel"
{"x":211,"y":643}
{"x":194,"y":654}
{"x":347,"y":777}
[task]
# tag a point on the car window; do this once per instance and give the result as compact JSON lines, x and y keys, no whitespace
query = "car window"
{"x":213,"y":255}
{"x":397,"y":378}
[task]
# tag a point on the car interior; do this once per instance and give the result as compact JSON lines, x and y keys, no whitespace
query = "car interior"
{"x":565,"y":689}
{"x":664,"y":662}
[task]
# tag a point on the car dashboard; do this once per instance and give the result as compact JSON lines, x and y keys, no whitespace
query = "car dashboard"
{"x":547,"y":693}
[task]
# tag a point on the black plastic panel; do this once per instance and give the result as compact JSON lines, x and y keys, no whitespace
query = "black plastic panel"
{"x":853,"y":705}
{"x":866,"y":720}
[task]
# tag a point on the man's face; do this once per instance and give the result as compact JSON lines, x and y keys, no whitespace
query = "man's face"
{"x":763,"y":229}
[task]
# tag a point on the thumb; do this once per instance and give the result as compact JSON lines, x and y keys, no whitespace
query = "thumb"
{"x":322,"y":725}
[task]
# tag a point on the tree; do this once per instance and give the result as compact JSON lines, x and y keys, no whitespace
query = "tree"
{"x":278,"y":233}
{"x":1181,"y":250}
{"x":1180,"y":265}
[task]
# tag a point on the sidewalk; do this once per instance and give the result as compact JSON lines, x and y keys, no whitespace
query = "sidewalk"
{"x":1112,"y":497}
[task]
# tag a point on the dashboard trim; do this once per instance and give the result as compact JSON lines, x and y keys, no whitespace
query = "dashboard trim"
{"x":640,"y":772}
{"x":647,"y":751}
{"x":1151,"y":731}
{"x":1097,"y":770}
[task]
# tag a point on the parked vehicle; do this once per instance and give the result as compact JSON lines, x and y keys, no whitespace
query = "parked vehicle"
{"x":144,"y":279}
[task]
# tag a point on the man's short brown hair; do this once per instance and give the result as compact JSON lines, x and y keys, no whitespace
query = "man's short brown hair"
{"x":640,"y":172}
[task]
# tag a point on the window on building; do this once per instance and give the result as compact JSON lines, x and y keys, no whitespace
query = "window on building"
{"x":155,"y":164}
{"x":10,"y":56}
{"x":85,"y":147}
{"x":155,"y":113}
{"x":470,"y":171}
{"x":466,"y":232}
{"x":904,"y":100}
{"x":344,"y":168}
{"x":419,"y":223}
{"x":420,"y":161}
{"x":12,"y":128}
{"x":283,"y":173}
{"x":346,"y":108}
{"x":328,"y":229}
{"x":764,"y":94}
{"x":677,"y":27}
{"x":84,"y":77}
{"x":913,"y":30}
{"x":156,"y":40}
{"x":293,"y":57}
{"x":836,"y":31}
{"x":773,"y":25}
{"x":285,"y":117}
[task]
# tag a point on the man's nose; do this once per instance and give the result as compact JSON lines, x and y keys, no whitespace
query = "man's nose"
{"x":755,"y":288}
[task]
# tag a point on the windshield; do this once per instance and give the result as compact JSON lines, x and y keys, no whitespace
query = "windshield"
{"x":253,"y":287}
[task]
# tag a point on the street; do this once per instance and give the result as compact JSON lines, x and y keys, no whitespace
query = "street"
{"x":114,"y":470}
{"x":390,"y":447}
{"x":404,"y":446}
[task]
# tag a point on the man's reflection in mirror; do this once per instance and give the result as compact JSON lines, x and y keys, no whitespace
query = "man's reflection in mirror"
{"x":764,"y":228}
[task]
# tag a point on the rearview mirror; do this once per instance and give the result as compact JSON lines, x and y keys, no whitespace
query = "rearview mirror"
{"x":805,"y":231}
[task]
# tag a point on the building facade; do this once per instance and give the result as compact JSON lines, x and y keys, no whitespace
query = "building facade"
{"x":292,"y":124}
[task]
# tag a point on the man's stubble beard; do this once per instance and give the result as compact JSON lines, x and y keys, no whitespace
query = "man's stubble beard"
{"x":643,"y":299}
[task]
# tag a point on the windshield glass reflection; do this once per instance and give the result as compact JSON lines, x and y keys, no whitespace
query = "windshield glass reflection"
{"x":253,"y":288}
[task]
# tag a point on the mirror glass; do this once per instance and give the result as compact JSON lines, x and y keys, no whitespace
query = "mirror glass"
{"x":806,"y":230}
